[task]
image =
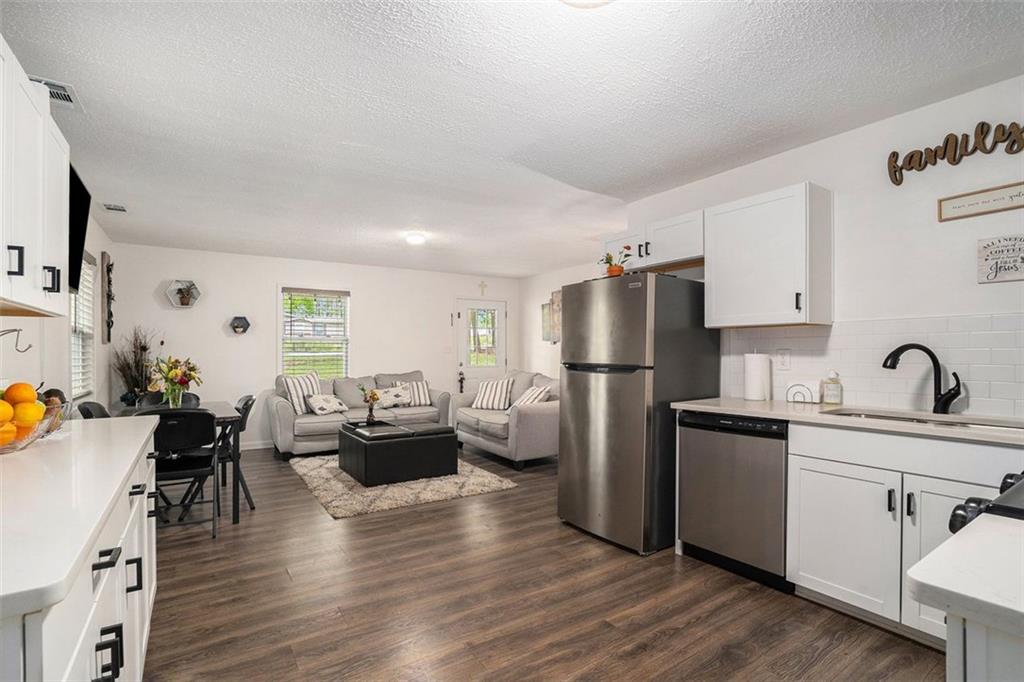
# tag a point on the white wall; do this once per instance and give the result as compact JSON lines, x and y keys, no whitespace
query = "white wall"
{"x":893,"y":258}
{"x":538,"y":355}
{"x":401,"y":319}
{"x":49,"y":358}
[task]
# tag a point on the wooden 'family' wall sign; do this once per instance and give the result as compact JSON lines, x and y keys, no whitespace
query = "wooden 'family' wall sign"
{"x":955,"y":148}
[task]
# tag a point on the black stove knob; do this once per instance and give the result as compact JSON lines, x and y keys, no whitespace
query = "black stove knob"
{"x":967,"y":512}
{"x":1010,"y":480}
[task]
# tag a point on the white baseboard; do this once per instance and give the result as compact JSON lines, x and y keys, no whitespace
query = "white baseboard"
{"x":256,"y":444}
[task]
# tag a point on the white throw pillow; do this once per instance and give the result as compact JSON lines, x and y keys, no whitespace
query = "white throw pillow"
{"x":419,"y":393}
{"x":325,"y":404}
{"x":534,"y":394}
{"x":298,"y":387}
{"x":493,"y":395}
{"x":394,"y":397}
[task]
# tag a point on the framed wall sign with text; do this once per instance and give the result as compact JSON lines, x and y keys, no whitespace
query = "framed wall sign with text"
{"x":1001,"y":259}
{"x":992,"y":200}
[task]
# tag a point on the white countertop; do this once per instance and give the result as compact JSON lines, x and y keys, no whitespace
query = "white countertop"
{"x":54,"y":496}
{"x":808,"y":413}
{"x":977,"y":574}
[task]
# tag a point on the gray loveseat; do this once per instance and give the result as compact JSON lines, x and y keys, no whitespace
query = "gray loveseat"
{"x":299,"y":434}
{"x":525,"y":433}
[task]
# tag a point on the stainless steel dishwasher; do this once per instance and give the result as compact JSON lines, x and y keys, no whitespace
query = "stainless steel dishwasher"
{"x":732,"y":494}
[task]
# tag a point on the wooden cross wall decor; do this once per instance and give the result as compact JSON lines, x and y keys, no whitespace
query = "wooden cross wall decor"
{"x":955,"y":148}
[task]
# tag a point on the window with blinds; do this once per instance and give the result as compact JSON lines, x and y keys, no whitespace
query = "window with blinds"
{"x":315,"y":332}
{"x":82,"y":331}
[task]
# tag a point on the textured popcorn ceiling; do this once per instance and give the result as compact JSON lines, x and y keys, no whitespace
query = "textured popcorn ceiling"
{"x":509,"y":132}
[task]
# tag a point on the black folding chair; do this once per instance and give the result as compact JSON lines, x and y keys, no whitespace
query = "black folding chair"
{"x":225,"y":447}
{"x":91,"y":410}
{"x":186,"y":454}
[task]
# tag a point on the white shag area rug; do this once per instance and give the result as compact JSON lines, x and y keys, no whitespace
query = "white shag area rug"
{"x":342,"y":496}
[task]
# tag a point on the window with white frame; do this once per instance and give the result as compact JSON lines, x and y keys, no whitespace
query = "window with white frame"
{"x":82,"y":331}
{"x":315,"y":332}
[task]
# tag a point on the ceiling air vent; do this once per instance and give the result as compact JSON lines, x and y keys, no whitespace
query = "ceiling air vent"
{"x":61,"y":94}
{"x":116,"y":208}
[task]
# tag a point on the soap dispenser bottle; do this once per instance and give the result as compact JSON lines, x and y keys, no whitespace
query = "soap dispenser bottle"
{"x":832,"y":389}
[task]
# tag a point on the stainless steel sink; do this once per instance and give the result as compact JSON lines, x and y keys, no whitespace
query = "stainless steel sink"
{"x":926,"y":418}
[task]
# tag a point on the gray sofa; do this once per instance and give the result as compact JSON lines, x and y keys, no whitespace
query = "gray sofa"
{"x":299,"y":434}
{"x":527,"y":432}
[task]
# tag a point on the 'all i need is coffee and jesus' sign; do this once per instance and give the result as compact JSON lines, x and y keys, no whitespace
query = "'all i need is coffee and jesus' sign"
{"x":1001,"y":259}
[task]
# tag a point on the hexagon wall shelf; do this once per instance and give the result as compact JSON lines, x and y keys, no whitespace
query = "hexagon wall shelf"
{"x":239,"y":325}
{"x":176,"y":290}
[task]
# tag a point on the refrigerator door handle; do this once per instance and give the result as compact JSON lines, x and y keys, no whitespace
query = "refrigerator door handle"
{"x":603,"y":369}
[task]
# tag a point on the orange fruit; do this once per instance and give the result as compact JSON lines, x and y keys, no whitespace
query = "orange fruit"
{"x":7,"y":433}
{"x":28,"y":414}
{"x":20,"y":393}
{"x":23,"y":432}
{"x":6,"y":412}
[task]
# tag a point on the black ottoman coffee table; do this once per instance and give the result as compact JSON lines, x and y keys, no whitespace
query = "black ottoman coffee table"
{"x":386,"y":453}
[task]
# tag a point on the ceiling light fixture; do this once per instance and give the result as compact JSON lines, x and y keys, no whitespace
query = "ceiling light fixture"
{"x":415,"y":238}
{"x":586,"y":4}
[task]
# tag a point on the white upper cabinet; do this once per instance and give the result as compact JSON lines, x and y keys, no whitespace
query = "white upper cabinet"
{"x":679,"y":238}
{"x":634,"y":239}
{"x":768,"y":259}
{"x":33,"y":197}
{"x":675,"y":239}
{"x":56,"y":182}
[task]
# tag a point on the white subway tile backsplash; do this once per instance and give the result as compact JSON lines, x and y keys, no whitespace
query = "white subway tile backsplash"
{"x":987,"y":351}
{"x":994,"y":340}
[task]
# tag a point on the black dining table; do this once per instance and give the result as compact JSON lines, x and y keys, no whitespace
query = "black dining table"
{"x":225,"y":415}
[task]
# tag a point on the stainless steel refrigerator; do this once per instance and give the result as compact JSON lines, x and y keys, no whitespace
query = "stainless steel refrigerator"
{"x":630,"y":346}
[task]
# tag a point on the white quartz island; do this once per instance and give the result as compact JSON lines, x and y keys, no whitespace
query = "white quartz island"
{"x":69,"y":503}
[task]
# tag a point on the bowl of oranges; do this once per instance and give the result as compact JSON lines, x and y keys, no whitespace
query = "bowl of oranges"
{"x":24,"y":418}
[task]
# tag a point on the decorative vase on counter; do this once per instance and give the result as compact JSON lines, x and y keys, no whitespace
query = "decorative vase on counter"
{"x":616,"y":270}
{"x":172,"y":395}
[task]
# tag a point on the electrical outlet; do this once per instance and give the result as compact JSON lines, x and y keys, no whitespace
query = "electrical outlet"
{"x":782,"y":359}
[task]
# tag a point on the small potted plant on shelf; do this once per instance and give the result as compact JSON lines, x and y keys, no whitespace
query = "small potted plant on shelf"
{"x":616,"y":266}
{"x":370,"y":397}
{"x":186,"y":291}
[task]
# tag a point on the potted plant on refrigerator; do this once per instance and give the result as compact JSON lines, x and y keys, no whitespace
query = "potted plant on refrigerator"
{"x":616,"y":266}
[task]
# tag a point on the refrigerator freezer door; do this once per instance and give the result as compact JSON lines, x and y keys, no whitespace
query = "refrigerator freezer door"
{"x":604,"y":452}
{"x":609,"y":321}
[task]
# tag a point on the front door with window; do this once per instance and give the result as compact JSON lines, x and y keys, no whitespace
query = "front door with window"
{"x":480,"y":326}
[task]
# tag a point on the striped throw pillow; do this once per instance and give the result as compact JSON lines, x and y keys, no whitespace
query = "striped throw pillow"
{"x":299,"y":387}
{"x":494,"y":395}
{"x":419,"y":391}
{"x":534,"y":394}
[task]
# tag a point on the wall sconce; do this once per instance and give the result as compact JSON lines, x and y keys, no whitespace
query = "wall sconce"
{"x":239,"y":325}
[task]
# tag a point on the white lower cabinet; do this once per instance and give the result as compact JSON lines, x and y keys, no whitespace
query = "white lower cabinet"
{"x":927,"y":504}
{"x":864,"y":507}
{"x":843,"y":537}
{"x":100,"y":630}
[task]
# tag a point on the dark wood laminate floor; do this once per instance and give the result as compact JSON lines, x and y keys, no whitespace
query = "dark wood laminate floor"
{"x":488,"y":587}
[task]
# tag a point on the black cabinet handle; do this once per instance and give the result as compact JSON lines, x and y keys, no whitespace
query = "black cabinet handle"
{"x":151,"y":455}
{"x":137,"y":587}
{"x":108,"y":558}
{"x":137,"y":489}
{"x":911,"y":505}
{"x":117,"y":653}
{"x":892,"y":499}
{"x":647,"y":249}
{"x":113,"y":668}
{"x":54,"y":273}
{"x":19,"y":251}
{"x":799,"y":301}
{"x":640,"y":250}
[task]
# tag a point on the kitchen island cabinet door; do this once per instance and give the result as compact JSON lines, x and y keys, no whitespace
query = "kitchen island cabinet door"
{"x":843,"y":535}
{"x":927,"y":505}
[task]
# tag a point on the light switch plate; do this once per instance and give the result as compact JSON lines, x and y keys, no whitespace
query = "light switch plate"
{"x":782,"y":359}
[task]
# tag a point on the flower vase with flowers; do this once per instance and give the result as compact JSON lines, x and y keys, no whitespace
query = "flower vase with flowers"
{"x":370,"y":397}
{"x":616,"y":266}
{"x":174,"y":376}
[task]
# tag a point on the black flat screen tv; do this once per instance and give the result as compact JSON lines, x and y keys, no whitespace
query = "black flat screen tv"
{"x":78,"y":223}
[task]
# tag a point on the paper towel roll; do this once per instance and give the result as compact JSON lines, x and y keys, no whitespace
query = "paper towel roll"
{"x":757,"y":376}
